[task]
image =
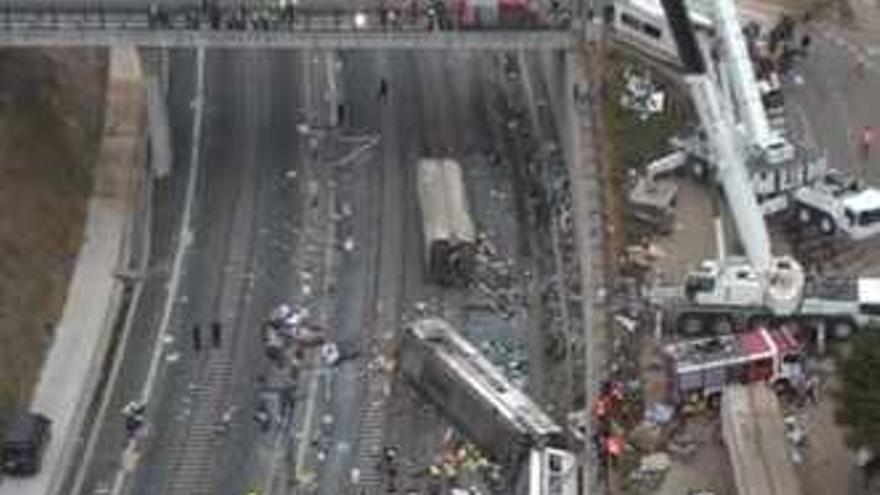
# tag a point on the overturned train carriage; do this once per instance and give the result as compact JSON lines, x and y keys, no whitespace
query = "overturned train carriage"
{"x":494,"y":414}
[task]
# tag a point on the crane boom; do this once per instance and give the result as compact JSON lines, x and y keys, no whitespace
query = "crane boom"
{"x":731,"y":170}
{"x":745,"y":85}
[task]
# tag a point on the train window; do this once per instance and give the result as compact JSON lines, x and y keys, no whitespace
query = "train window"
{"x":652,"y":31}
{"x":630,"y":20}
{"x":554,"y":462}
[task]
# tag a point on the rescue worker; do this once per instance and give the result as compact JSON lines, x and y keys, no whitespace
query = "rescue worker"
{"x":262,"y":416}
{"x":134,"y":417}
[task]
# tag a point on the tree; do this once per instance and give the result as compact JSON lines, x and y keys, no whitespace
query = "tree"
{"x":860,"y":391}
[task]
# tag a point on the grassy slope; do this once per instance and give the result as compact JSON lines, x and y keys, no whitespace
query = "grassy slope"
{"x":632,"y":143}
{"x":50,"y":117}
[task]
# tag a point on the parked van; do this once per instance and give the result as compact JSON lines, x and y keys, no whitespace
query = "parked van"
{"x":24,"y":443}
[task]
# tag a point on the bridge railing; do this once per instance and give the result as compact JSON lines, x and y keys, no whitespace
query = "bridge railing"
{"x":237,"y":27}
{"x":262,"y":19}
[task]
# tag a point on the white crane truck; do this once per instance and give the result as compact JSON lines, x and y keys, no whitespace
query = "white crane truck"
{"x":732,"y":292}
{"x":785,"y":176}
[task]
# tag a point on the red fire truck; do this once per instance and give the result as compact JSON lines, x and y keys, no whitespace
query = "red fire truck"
{"x":703,"y":367}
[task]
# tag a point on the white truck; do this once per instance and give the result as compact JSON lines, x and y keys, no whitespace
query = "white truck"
{"x":839,"y":203}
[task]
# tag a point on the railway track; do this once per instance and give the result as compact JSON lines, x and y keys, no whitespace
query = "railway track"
{"x":192,"y":458}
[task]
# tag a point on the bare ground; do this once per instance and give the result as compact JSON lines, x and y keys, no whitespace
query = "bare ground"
{"x":51,"y":106}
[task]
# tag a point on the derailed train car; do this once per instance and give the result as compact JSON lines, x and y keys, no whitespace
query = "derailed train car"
{"x":447,"y":227}
{"x":477,"y":398}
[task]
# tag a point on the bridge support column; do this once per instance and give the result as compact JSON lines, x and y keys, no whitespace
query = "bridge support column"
{"x":159,"y":126}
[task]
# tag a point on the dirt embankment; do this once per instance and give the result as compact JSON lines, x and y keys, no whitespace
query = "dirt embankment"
{"x":51,"y":114}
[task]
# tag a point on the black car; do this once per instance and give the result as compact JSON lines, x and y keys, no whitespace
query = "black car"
{"x":24,"y":443}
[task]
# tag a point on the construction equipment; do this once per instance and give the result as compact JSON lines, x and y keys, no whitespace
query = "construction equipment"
{"x":838,"y":202}
{"x":732,"y":292}
{"x":784,"y":175}
{"x":448,"y":229}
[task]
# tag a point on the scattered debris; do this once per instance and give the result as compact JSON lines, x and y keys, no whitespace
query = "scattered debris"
{"x":348,"y":244}
{"x":655,"y":463}
{"x":641,"y":94}
{"x":652,"y":202}
{"x":330,"y":354}
{"x":345,"y":210}
{"x":659,"y":414}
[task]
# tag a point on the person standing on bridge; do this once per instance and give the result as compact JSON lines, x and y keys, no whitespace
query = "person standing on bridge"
{"x":383,"y":90}
{"x":216,"y":335}
{"x":197,"y":338}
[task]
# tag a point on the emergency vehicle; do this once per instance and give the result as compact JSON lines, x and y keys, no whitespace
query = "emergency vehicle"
{"x":703,"y":367}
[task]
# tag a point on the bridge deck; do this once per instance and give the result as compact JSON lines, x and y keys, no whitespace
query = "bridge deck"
{"x":495,"y":40}
{"x":20,"y":28}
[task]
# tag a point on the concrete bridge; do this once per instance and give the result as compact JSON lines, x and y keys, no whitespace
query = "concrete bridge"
{"x":115,"y":22}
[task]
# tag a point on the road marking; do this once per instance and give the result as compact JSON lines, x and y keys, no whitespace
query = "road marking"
{"x":185,"y":238}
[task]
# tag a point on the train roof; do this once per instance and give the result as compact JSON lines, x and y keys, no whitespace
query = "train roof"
{"x":471,"y":366}
{"x":443,"y":200}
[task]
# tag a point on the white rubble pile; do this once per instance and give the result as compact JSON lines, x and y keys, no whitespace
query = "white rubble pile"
{"x":641,"y":94}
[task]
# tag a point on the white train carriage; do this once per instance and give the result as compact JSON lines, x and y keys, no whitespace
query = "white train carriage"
{"x":552,"y":472}
{"x":477,"y":398}
{"x":643,"y":25}
{"x":447,"y":226}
